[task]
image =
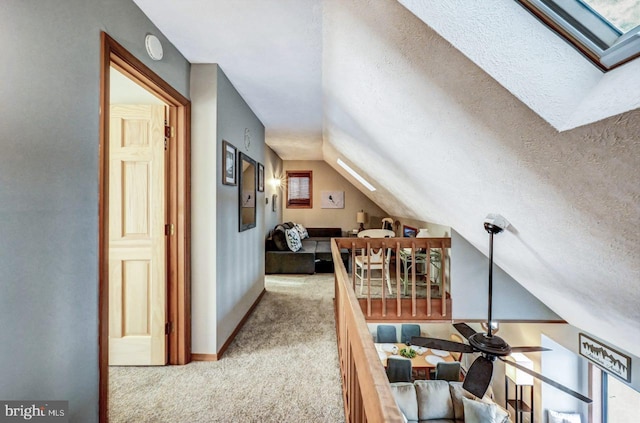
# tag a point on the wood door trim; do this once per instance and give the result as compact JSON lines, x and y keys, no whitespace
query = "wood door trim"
{"x":179,"y":210}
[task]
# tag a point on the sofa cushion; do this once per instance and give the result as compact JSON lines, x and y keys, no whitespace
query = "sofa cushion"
{"x":279,"y":238}
{"x":482,"y":412}
{"x":405,"y":395}
{"x":434,"y":400}
{"x":293,"y":239}
{"x":457,"y":393}
{"x":327,"y":233}
{"x":557,"y":417}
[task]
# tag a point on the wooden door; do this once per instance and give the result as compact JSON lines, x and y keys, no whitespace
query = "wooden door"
{"x":137,"y":242}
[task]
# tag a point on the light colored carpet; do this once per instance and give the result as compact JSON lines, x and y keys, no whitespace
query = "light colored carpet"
{"x":281,"y":367}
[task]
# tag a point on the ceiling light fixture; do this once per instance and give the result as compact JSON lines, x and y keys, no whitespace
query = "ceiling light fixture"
{"x":356,"y":175}
{"x":154,"y":47}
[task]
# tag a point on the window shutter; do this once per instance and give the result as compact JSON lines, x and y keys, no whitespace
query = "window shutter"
{"x":299,"y":189}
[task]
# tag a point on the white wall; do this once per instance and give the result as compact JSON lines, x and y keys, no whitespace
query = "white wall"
{"x":204,"y":152}
{"x":470,"y":287}
{"x":540,"y":68}
{"x":227,"y":265}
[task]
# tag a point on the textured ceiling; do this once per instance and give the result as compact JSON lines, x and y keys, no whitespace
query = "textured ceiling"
{"x":271,"y":51}
{"x":444,"y":137}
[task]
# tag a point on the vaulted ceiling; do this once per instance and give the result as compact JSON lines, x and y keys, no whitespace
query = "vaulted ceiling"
{"x":453,"y":110}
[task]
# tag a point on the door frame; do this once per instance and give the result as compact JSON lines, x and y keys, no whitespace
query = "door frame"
{"x":178,"y":209}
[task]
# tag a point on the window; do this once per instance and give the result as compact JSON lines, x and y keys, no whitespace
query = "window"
{"x":607,"y":33}
{"x":620,"y":401}
{"x":299,"y":189}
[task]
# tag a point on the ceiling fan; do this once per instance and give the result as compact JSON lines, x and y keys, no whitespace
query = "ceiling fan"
{"x":491,"y":347}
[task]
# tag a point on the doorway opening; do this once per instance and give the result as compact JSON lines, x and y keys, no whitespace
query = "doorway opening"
{"x":169,"y":203}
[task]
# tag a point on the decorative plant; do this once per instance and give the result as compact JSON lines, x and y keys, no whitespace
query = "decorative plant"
{"x":407,"y":352}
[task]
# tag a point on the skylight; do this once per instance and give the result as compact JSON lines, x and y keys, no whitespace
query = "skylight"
{"x":356,"y":175}
{"x":606,"y":31}
{"x":623,"y":14}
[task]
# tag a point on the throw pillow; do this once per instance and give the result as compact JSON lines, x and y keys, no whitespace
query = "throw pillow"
{"x":405,"y":396}
{"x":480,"y":412}
{"x":434,"y":399}
{"x":302,"y":230}
{"x":557,"y":417}
{"x":293,"y":239}
{"x":279,"y":238}
{"x":457,"y":393}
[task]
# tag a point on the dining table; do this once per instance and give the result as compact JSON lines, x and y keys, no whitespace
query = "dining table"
{"x":425,"y":359}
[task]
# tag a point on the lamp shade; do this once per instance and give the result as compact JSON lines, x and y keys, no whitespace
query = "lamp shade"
{"x":361,"y":217}
{"x":519,"y":377}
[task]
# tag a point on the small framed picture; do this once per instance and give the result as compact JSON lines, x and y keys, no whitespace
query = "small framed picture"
{"x":228,"y":163}
{"x":332,"y":199}
{"x":260,"y":177}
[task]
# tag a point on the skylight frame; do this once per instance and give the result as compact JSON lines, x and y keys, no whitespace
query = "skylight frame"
{"x":356,"y":175}
{"x":606,"y":55}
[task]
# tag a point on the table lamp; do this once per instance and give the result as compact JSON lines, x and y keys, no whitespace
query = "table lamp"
{"x":361,"y":217}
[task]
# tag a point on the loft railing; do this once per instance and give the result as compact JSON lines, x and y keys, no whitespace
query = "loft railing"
{"x":418,"y":262}
{"x":366,"y":391}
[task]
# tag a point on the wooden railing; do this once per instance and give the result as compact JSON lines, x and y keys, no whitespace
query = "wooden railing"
{"x":365,"y":387}
{"x":432,"y":253}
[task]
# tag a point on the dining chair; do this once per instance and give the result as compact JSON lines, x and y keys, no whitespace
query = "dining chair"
{"x":386,"y":334}
{"x":448,"y":371}
{"x":399,"y":369}
{"x":457,"y":356}
{"x":407,"y":331}
{"x":374,"y":258}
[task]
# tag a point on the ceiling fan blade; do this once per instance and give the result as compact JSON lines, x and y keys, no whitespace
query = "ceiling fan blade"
{"x":529,"y":349}
{"x":441,"y":344}
{"x":464,"y":329}
{"x":478,"y":377}
{"x":549,"y":381}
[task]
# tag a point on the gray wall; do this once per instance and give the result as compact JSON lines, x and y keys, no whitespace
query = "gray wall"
{"x":469,"y":287}
{"x":49,"y":190}
{"x":240,"y":275}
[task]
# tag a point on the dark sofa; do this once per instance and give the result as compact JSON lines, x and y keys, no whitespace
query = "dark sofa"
{"x":313,"y":257}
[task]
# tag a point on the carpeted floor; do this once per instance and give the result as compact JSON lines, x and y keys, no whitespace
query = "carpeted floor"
{"x":281,"y":367}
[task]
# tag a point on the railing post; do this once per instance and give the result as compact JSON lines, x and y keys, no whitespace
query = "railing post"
{"x":398,"y":276}
{"x":443,"y":263}
{"x":368,"y":278}
{"x":413,"y":280}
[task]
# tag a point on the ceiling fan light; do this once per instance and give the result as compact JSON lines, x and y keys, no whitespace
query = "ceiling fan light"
{"x":495,"y":326}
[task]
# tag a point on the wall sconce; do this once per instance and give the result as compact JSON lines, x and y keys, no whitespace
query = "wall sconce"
{"x":361,"y":217}
{"x":275,"y":182}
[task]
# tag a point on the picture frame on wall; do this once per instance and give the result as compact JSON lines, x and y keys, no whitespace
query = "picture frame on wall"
{"x":608,"y":358}
{"x":229,"y":153}
{"x":260,"y":177}
{"x":332,"y":199}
